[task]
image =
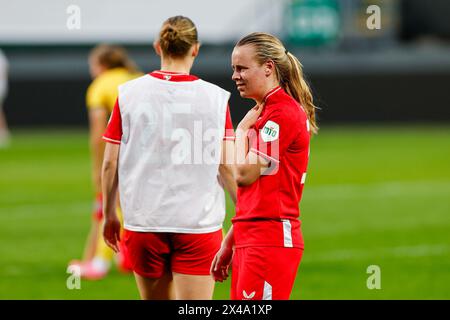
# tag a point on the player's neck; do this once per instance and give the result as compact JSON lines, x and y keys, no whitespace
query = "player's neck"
{"x":173,"y":65}
{"x":269,"y":86}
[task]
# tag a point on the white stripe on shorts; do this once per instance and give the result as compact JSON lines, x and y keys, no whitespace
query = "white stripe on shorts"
{"x":267,"y":293}
{"x":287,"y":233}
{"x":303,"y":178}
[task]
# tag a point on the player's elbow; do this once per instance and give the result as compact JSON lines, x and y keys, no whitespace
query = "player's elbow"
{"x":109,"y":165}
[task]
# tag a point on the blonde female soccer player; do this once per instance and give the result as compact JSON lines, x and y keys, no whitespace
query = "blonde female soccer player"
{"x":265,"y":243}
{"x":110,"y":67}
{"x":169,"y":135}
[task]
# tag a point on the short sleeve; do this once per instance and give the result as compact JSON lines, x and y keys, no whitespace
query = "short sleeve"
{"x":94,"y":95}
{"x":229,"y":130}
{"x":113,"y":133}
{"x":273,"y":136}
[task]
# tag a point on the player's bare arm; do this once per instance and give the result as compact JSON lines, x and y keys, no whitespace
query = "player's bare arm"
{"x":248,"y":164}
{"x":226,"y":169}
{"x":111,"y":230}
{"x":222,"y":261}
{"x":98,"y":118}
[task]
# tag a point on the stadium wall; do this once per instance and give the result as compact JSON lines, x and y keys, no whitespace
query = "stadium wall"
{"x":48,"y":85}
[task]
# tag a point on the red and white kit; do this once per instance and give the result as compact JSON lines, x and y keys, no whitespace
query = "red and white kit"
{"x":170,"y":127}
{"x":268,"y":239}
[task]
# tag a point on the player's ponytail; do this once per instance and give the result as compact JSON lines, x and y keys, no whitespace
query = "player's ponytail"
{"x":178,"y":34}
{"x":295,"y":85}
{"x":288,"y":70}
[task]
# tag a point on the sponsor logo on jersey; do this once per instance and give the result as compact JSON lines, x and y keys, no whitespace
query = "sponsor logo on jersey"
{"x":270,"y":131}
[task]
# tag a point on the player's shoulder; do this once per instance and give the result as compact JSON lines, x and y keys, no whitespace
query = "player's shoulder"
{"x":211,"y":86}
{"x":96,"y":83}
{"x":96,"y":90}
{"x":101,"y":82}
{"x":133,"y":82}
{"x":286,"y":111}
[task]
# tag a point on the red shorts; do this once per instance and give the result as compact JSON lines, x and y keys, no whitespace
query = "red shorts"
{"x":153,"y":253}
{"x":264,"y":273}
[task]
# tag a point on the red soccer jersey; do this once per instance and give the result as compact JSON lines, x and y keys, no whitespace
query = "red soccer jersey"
{"x":113,"y":133}
{"x":267,"y":211}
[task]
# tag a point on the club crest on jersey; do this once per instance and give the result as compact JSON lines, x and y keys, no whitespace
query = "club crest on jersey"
{"x":270,"y":131}
{"x":248,"y":296}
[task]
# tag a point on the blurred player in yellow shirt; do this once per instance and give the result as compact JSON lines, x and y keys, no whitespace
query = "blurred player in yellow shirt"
{"x":109,"y":67}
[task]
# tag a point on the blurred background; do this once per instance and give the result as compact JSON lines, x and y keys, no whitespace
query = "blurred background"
{"x":379,"y":176}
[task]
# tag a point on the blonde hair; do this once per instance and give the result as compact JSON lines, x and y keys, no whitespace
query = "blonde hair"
{"x":178,"y":34}
{"x":289,"y":70}
{"x":111,"y":56}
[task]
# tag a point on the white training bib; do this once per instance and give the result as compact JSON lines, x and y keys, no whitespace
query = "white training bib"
{"x":170,"y":154}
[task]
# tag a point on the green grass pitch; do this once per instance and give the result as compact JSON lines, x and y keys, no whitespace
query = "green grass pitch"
{"x":373,"y":196}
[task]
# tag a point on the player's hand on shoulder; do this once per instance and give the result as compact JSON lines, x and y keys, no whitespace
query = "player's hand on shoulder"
{"x":251,"y":117}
